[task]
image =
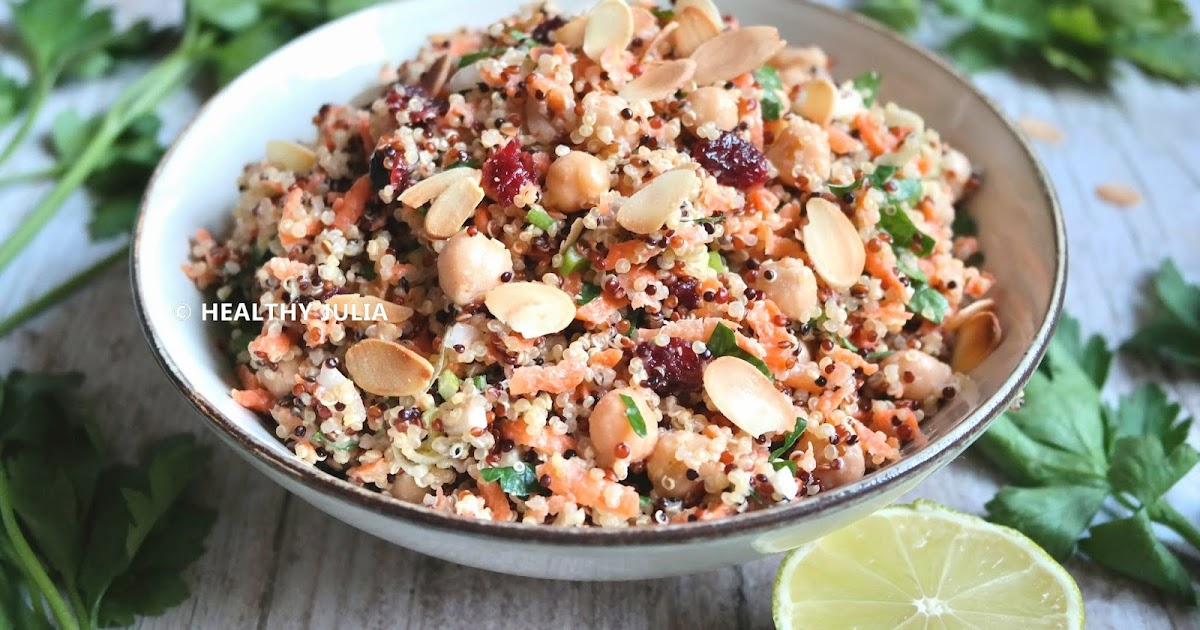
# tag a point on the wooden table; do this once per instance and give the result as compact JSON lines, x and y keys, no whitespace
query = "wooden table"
{"x":275,"y":562}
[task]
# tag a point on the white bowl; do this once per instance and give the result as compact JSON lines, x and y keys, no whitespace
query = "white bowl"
{"x":1020,"y":226}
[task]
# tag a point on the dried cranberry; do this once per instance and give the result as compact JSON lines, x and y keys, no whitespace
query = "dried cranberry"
{"x":685,"y":290}
{"x":423,"y":108}
{"x":543,"y":30}
{"x":732,"y":160}
{"x":506,"y":172}
{"x":388,"y":168}
{"x":673,"y":369}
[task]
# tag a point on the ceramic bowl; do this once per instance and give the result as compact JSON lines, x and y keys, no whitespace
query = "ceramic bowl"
{"x":1020,"y":229}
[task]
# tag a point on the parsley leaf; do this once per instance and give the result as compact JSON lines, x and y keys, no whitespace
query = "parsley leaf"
{"x":1173,"y":333}
{"x":867,"y":84}
{"x":520,"y":480}
{"x":1130,"y":547}
{"x":772,"y":103}
{"x":900,"y":15}
{"x":896,"y":221}
{"x":929,"y":303}
{"x":471,"y":58}
{"x":1053,"y":516}
{"x":779,"y":456}
{"x":634,"y":415}
{"x":723,"y":343}
{"x":587,"y":293}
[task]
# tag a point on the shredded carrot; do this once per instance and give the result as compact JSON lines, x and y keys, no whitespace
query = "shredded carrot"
{"x":545,"y":443}
{"x":840,"y":141}
{"x":878,"y":140}
{"x":569,"y":478}
{"x":556,"y":379}
{"x":607,"y":358}
{"x":601,"y":310}
{"x":349,"y":208}
{"x":496,"y":500}
{"x":259,"y":400}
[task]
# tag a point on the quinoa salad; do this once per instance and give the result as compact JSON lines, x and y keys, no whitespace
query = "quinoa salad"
{"x":638,"y":266}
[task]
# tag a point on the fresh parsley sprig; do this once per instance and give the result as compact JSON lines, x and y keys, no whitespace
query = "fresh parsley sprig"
{"x":779,"y":456}
{"x":1069,"y":454}
{"x":723,"y":342}
{"x":87,"y":542}
{"x":1173,"y":333}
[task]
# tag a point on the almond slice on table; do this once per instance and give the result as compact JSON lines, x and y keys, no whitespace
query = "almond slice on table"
{"x":833,"y":244}
{"x":817,"y":101}
{"x":734,"y":53}
{"x":533,"y":309}
{"x":365,"y":306}
{"x":452,"y":208}
{"x":952,"y":322}
{"x":286,"y":155}
{"x":649,"y":208}
{"x":1119,"y":195}
{"x":659,"y":81}
{"x":609,"y":26}
{"x":386,"y":368}
{"x":1039,"y":129}
{"x":425,"y":190}
{"x":694,"y":27}
{"x":745,"y":396}
{"x":977,"y":337}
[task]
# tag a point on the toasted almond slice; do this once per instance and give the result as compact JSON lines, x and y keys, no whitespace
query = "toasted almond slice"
{"x":643,"y":19}
{"x":571,"y":33}
{"x":833,"y":244}
{"x":706,"y":6}
{"x":609,"y":27}
{"x":734,"y":53}
{"x":952,"y":322}
{"x":659,"y":81}
{"x":425,"y":190}
{"x":738,"y":390}
{"x":1039,"y":129}
{"x":1119,"y":195}
{"x":695,"y":27}
{"x":386,"y":368}
{"x":286,"y":155}
{"x":452,"y":208}
{"x":533,"y":309}
{"x":649,"y":208}
{"x":817,"y":101}
{"x":365,"y":306}
{"x":977,"y":337}
{"x":434,"y":79}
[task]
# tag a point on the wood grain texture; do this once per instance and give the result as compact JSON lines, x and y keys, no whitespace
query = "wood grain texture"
{"x":275,"y":562}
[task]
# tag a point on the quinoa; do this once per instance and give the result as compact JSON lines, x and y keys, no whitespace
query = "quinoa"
{"x":600,"y":292}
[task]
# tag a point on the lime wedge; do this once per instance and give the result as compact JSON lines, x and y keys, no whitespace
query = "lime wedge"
{"x":924,"y":566}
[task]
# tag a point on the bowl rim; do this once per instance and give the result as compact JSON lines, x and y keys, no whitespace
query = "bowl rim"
{"x":913,"y":466}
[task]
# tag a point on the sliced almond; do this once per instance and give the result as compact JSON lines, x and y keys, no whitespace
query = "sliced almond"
{"x":649,"y":208}
{"x":977,"y":337}
{"x":734,"y":53}
{"x":533,"y":309}
{"x":365,"y":306}
{"x":817,"y":101}
{"x":571,"y":33}
{"x":706,"y":6}
{"x":452,"y":208}
{"x":386,"y":368}
{"x":609,"y":27}
{"x":1119,"y":195}
{"x":659,"y":81}
{"x":434,"y":79}
{"x":833,"y":244}
{"x":643,"y":19}
{"x":286,"y":155}
{"x":792,"y":287}
{"x":745,"y":396}
{"x":1039,"y":129}
{"x":425,"y":190}
{"x":952,"y":322}
{"x":695,"y":27}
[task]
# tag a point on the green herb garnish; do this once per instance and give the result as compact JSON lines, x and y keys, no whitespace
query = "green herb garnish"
{"x":772,"y":102}
{"x":88,"y":542}
{"x":717,"y":262}
{"x":894,"y":220}
{"x":1067,"y":453}
{"x":472,"y":163}
{"x":779,"y":456}
{"x":539,"y":219}
{"x":723,"y":343}
{"x":573,"y":262}
{"x":587,"y":293}
{"x":867,"y":84}
{"x":663,"y":15}
{"x":486,"y":53}
{"x":928,"y":303}
{"x":519,"y":480}
{"x":634,"y":415}
{"x":1173,"y":334}
{"x":447,"y":385}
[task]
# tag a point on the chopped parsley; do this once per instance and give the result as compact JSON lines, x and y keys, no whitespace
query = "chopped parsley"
{"x":587,"y":293}
{"x":634,"y":415}
{"x":471,"y":58}
{"x":928,"y":303}
{"x":867,"y":84}
{"x":573,"y":261}
{"x":723,"y":343}
{"x":779,"y":456}
{"x":447,"y":385}
{"x":772,"y":102}
{"x":519,"y":480}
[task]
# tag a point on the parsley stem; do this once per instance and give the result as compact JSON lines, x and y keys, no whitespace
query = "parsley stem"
{"x":30,"y":176}
{"x":1169,"y":516}
{"x":34,"y":108}
{"x":29,"y":562}
{"x":60,"y":292}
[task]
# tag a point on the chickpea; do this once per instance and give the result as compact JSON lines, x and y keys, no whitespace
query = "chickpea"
{"x":713,"y":105}
{"x":667,"y":473}
{"x":575,"y":181}
{"x":851,"y":464}
{"x":405,"y":488}
{"x":929,"y":375}
{"x":801,"y":150}
{"x":608,"y":108}
{"x":470,"y":266}
{"x":610,"y":428}
{"x":793,"y":287}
